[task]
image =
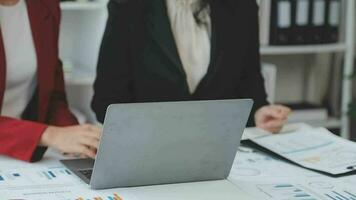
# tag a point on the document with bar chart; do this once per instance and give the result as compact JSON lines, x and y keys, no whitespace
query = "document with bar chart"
{"x":266,"y":177}
{"x":19,"y":178}
{"x":53,"y":183}
{"x":294,"y":190}
{"x":109,"y":197}
{"x":316,"y":149}
{"x":65,"y":193}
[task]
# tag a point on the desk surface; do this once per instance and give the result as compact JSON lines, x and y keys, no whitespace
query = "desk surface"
{"x":254,"y":176}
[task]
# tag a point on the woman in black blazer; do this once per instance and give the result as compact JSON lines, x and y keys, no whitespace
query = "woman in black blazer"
{"x":140,"y":60}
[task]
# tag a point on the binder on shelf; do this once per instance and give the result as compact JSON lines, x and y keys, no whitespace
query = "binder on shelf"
{"x":332,"y":18}
{"x":317,"y":23}
{"x":281,"y":22}
{"x":300,"y":22}
{"x":301,"y":18}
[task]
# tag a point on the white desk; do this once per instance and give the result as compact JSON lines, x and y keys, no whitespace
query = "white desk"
{"x":254,"y":176}
{"x":49,"y":180}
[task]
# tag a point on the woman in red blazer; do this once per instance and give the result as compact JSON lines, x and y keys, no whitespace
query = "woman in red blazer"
{"x":45,"y":119}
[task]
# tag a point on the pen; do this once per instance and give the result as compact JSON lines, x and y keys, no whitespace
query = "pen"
{"x":245,"y":149}
{"x":351,"y":167}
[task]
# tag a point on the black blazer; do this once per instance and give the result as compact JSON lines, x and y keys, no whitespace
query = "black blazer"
{"x":139,"y":62}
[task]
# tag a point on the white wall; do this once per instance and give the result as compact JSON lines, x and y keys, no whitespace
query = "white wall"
{"x":80,"y":39}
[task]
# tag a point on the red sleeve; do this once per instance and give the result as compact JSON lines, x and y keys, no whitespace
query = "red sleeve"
{"x":19,"y":138}
{"x":54,"y":8}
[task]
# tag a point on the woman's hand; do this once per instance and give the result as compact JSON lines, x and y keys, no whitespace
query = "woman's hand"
{"x":272,"y":118}
{"x":81,"y":139}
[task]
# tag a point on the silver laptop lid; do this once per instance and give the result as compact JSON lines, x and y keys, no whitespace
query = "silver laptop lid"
{"x":171,"y":142}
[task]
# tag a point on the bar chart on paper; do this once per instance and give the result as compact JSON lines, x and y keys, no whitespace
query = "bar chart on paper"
{"x":113,"y":197}
{"x":54,"y":183}
{"x":78,"y":192}
{"x":322,"y":151}
{"x":55,"y":173}
{"x":341,"y":195}
{"x":23,"y":177}
{"x":286,"y":191}
{"x":8,"y":178}
{"x":315,"y":190}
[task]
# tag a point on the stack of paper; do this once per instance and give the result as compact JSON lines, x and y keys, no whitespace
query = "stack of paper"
{"x":265,"y":177}
{"x":316,"y":149}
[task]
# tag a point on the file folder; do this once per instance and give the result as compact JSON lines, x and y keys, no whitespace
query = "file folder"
{"x":333,"y":16}
{"x":301,"y":20}
{"x":317,"y":13}
{"x":316,"y":149}
{"x":281,"y":23}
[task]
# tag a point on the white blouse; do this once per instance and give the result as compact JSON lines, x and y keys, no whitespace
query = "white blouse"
{"x":21,"y":61}
{"x":192,"y":38}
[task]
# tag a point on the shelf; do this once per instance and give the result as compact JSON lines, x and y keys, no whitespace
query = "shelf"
{"x":83,"y":5}
{"x":303,"y":49}
{"x":329,"y":123}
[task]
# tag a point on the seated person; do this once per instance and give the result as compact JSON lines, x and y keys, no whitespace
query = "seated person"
{"x":178,"y":50}
{"x":33,"y":106}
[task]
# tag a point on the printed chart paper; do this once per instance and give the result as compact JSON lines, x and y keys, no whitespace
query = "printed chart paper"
{"x":268,"y":178}
{"x":316,"y":149}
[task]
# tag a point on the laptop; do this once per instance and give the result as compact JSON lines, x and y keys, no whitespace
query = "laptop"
{"x":167,"y":142}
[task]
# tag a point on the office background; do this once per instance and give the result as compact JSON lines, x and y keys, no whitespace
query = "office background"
{"x":302,"y":68}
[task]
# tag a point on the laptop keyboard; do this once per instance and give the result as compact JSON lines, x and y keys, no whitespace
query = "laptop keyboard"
{"x":87,"y":173}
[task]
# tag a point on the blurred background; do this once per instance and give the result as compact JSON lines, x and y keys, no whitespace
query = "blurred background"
{"x":307,"y":49}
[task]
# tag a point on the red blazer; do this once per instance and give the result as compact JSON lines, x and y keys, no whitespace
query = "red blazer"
{"x":20,"y":138}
